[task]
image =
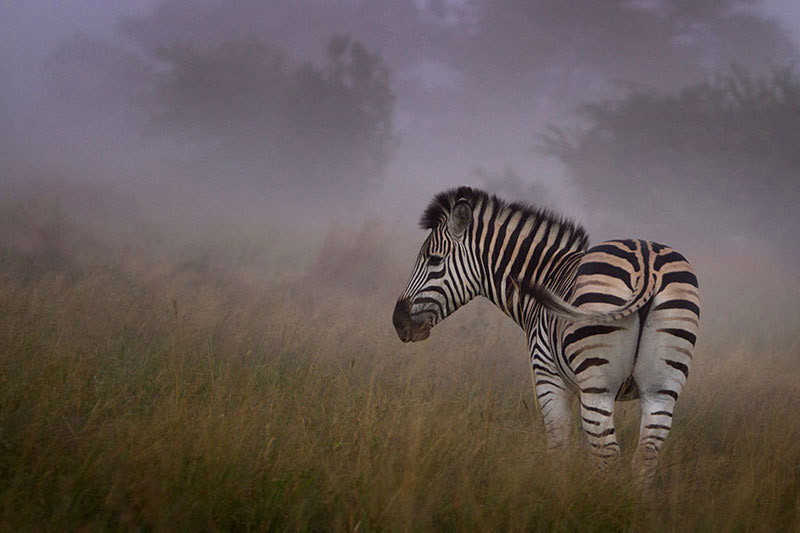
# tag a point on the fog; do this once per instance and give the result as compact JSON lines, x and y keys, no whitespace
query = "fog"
{"x":671,"y":120}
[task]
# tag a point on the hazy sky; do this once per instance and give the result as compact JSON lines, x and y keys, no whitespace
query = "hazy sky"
{"x":475,"y":81}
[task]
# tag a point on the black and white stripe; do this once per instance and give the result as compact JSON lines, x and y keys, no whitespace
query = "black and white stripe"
{"x":616,"y":321}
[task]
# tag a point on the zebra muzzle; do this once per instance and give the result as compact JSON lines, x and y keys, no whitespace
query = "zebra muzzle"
{"x":408,"y":329}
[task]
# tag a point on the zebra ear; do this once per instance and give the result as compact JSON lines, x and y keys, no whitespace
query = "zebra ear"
{"x":460,"y":219}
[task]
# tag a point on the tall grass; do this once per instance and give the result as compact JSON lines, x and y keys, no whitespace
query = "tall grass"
{"x":222,"y":382}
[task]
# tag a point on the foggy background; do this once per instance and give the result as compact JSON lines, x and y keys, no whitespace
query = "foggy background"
{"x":677,"y":121}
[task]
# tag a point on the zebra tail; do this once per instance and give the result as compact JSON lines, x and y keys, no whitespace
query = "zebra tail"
{"x":560,"y":307}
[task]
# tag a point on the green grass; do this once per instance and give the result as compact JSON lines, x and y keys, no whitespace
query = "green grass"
{"x":203,"y":384}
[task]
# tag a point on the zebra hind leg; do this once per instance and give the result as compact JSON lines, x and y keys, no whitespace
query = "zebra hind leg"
{"x":597,"y":420}
{"x":660,"y":373}
{"x":656,"y":422}
{"x":665,"y":355}
{"x":557,"y":418}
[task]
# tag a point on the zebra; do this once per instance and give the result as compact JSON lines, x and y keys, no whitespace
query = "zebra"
{"x":617,"y":321}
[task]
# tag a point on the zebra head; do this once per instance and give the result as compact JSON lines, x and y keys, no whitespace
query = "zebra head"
{"x":445,"y":275}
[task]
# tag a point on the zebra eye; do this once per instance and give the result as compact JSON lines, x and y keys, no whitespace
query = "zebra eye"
{"x":435,"y":260}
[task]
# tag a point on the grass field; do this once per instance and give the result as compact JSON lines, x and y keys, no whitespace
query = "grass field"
{"x":224,"y":377}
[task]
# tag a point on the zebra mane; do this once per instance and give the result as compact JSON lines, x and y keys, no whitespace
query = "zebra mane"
{"x":439,"y":208}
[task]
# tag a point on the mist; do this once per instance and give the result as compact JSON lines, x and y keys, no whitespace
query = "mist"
{"x":469,"y":87}
{"x":671,"y":121}
{"x":253,"y":102}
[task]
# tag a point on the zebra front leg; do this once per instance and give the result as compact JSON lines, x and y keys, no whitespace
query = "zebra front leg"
{"x":553,"y":398}
{"x":597,"y":421}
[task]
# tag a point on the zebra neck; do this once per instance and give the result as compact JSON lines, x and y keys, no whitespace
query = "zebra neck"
{"x":558,"y":278}
{"x":521,"y":248}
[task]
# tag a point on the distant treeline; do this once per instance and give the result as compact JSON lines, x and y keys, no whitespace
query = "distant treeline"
{"x":241,"y":111}
{"x":722,"y":153}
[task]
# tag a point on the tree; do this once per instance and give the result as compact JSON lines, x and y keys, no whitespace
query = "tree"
{"x":298,"y":128}
{"x":342,"y":114}
{"x":230,"y":91}
{"x":720,"y":155}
